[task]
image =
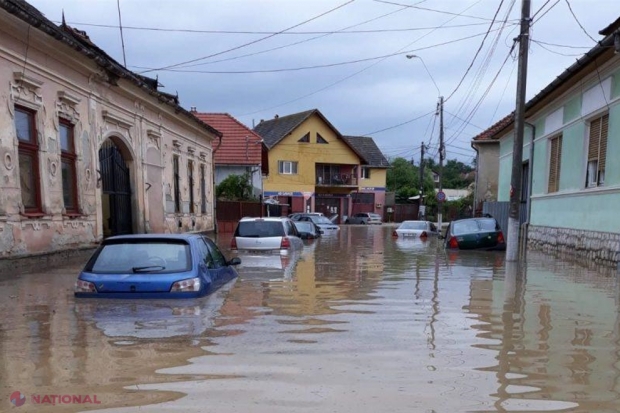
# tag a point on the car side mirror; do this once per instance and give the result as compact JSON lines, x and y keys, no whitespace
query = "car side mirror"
{"x":234,"y":261}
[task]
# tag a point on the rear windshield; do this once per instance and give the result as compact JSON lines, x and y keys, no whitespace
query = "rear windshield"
{"x":304,"y":226}
{"x":473,"y":226}
{"x":320,"y":220}
{"x":413,"y":225}
{"x":259,"y":229}
{"x":144,"y":256}
{"x":374,"y":216}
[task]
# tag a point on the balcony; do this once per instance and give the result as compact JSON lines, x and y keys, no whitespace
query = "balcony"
{"x":336,"y":175}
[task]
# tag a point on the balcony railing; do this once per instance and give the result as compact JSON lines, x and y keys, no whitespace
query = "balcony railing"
{"x":336,"y":180}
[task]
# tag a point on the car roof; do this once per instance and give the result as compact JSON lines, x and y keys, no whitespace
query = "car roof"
{"x":185,"y":236}
{"x":410,"y":220}
{"x":264,"y":218}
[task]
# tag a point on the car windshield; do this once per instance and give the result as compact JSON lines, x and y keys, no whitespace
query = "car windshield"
{"x":413,"y":225}
{"x":259,"y":229}
{"x":304,"y":226}
{"x":470,"y":226}
{"x":320,"y":220}
{"x":142,"y":257}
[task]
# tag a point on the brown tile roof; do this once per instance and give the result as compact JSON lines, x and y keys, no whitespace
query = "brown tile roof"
{"x":496,"y":128}
{"x":240,"y":145}
{"x":366,"y":148}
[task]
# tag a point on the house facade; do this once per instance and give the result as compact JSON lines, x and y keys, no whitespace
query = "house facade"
{"x":238,"y":152}
{"x":572,"y":137}
{"x":89,"y":149}
{"x":310,"y":166}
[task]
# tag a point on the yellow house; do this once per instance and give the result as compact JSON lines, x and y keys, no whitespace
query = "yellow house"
{"x":310,"y":166}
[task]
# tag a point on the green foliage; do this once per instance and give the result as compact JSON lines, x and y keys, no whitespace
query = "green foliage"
{"x":235,"y":188}
{"x":455,"y":174}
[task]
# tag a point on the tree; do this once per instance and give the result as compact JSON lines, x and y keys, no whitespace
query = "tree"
{"x":235,"y":188}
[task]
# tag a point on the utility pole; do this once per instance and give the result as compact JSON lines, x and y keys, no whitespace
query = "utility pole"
{"x":421,"y":211}
{"x":512,"y":247}
{"x":442,"y":152}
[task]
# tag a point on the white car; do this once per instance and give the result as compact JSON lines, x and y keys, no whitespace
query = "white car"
{"x":416,"y":229}
{"x":275,"y":234}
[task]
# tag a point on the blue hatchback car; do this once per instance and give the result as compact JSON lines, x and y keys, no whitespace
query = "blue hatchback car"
{"x":155,"y":266}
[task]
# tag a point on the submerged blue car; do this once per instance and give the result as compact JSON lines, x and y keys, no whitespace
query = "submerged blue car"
{"x":155,"y":266}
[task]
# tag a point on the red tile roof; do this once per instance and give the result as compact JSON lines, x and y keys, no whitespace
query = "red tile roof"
{"x":240,"y":145}
{"x":496,"y":128}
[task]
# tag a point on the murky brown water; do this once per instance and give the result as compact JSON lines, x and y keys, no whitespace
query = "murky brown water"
{"x":359,"y":322}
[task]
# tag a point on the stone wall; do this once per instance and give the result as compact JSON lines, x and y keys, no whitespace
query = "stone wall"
{"x":595,"y":247}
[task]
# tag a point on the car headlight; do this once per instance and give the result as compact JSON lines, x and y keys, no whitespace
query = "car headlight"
{"x":191,"y":284}
{"x":82,"y":286}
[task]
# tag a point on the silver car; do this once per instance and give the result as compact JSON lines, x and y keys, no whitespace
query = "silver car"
{"x":365,"y":218}
{"x":276,"y":234}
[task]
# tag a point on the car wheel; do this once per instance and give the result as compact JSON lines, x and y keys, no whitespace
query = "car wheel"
{"x":347,"y":222}
{"x":363,"y":222}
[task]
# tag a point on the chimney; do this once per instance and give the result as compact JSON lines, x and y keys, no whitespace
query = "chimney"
{"x":276,"y":117}
{"x":193,"y":109}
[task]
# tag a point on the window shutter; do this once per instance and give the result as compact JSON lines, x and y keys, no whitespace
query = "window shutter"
{"x":593,"y":144}
{"x":603,"y":143}
{"x":554,"y":164}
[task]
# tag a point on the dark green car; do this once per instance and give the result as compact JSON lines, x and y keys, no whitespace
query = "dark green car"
{"x":475,"y":234}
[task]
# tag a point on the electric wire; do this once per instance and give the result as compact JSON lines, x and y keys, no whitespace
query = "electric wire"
{"x":578,"y":22}
{"x":253,"y":41}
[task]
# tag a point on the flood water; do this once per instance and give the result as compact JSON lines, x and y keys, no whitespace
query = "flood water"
{"x":357,"y":322}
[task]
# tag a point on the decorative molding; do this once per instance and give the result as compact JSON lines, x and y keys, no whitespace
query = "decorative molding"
{"x":68,"y":98}
{"x":203,"y":156}
{"x":117,"y":120}
{"x":154,"y":137}
{"x":176,"y":146}
{"x":36,"y":224}
{"x":190,"y":151}
{"x":53,"y":167}
{"x":27,"y":81}
{"x":8,"y":161}
{"x":75,"y":223}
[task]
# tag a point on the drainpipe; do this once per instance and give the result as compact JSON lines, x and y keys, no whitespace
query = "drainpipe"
{"x":214,"y":193}
{"x":473,"y":210}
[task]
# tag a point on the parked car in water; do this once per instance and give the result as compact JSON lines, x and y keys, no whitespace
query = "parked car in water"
{"x":365,"y":218}
{"x":155,"y":266}
{"x":325,"y":225}
{"x":416,"y":229}
{"x":307,"y":229}
{"x":475,"y":233}
{"x":275,"y":234}
{"x":295,"y":216}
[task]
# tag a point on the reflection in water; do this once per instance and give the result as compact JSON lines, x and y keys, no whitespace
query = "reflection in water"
{"x":358,"y":321}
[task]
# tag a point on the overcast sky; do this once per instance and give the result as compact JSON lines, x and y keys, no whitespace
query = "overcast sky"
{"x":258,"y":58}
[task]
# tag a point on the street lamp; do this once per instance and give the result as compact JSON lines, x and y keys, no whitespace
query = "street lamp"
{"x":440,"y":194}
{"x":411,"y":56}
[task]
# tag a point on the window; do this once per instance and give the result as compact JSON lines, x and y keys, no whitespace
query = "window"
{"x":176,"y":184}
{"x":320,"y":139}
{"x":190,"y":179}
{"x":287,"y":167}
{"x":68,"y":160}
{"x":28,"y":159}
{"x":365,"y":173}
{"x":597,"y":151}
{"x":305,"y":138}
{"x":217,"y":257}
{"x":203,"y":190}
{"x":555,"y":164}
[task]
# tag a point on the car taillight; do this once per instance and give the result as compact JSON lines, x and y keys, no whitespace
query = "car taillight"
{"x":84,"y":287}
{"x":453,"y":243}
{"x":423,"y":234}
{"x":395,"y":234}
{"x":500,"y":237}
{"x":285,"y":244}
{"x":189,"y":285}
{"x":233,"y":243}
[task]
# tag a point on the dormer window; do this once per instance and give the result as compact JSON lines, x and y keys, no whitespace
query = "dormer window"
{"x":305,"y":138}
{"x":320,"y":139}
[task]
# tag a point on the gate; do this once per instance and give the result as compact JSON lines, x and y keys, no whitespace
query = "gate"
{"x":501,"y":210}
{"x":116,"y":186}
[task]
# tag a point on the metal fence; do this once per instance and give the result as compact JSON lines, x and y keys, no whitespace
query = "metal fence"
{"x":501,"y":210}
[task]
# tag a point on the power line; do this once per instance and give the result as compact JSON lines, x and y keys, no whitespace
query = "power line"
{"x":461,"y":119}
{"x":555,"y":52}
{"x":399,"y":125}
{"x":295,"y":33}
{"x":120,"y":26}
{"x":567,"y":46}
{"x":434,"y":10}
{"x":578,"y":22}
{"x":477,"y":52}
{"x":548,"y":10}
{"x":355,"y":73}
{"x":254,"y":41}
{"x":293,"y":69}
